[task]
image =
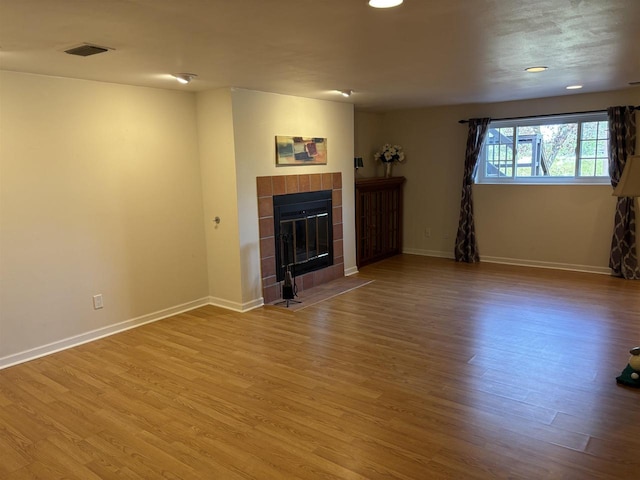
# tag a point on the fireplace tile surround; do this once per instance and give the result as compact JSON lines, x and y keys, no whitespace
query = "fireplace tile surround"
{"x":267,"y":187}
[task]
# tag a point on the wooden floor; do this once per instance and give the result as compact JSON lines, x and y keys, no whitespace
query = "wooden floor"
{"x":434,"y":370}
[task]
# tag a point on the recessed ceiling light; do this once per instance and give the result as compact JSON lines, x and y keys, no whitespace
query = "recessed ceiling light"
{"x":384,"y":3}
{"x":536,"y":69}
{"x":184,"y":78}
{"x":574,"y":87}
{"x":345,"y":93}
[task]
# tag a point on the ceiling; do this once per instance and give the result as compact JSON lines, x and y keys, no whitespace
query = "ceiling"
{"x":422,"y":53}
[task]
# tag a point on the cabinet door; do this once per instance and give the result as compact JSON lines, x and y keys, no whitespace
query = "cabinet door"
{"x":378,"y":219}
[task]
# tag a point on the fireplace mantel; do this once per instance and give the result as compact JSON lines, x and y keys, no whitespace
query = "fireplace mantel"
{"x":267,"y":187}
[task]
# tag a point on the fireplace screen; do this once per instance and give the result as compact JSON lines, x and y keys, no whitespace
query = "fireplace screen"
{"x":303,"y":232}
{"x":304,"y":239}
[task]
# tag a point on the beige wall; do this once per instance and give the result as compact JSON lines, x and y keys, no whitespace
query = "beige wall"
{"x":99,"y":193}
{"x":220,"y":196}
{"x":556,"y":226}
{"x":112,"y":189}
{"x":368,"y":132}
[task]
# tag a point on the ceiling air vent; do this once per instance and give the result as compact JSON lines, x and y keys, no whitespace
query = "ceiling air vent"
{"x":86,"y":50}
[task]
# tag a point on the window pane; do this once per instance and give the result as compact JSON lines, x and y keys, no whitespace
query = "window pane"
{"x":588,"y":148}
{"x":589,"y":130}
{"x":499,"y":152}
{"x":603,"y":130}
{"x":587,"y":167}
{"x":530,"y":157}
{"x":560,"y":143}
{"x":594,"y":148}
{"x":602,"y":167}
{"x":602,"y":149}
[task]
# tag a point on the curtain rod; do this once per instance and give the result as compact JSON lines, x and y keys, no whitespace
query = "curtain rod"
{"x":547,"y":115}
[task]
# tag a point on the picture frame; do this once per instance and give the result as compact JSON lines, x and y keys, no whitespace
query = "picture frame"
{"x":291,"y":150}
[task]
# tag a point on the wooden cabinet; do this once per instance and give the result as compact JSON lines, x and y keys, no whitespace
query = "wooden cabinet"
{"x":378,"y":218}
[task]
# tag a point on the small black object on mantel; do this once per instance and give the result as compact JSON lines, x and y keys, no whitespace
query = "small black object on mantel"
{"x":630,"y":376}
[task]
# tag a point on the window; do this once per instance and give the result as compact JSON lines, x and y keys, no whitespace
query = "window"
{"x":557,"y":149}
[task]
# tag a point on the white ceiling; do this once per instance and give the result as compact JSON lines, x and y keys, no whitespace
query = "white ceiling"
{"x":423,"y":53}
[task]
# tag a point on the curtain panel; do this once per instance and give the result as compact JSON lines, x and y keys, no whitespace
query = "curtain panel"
{"x":466,"y":249}
{"x":623,"y":259}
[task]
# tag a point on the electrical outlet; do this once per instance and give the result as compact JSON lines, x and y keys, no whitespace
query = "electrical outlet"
{"x":97,"y":302}
{"x":427,"y":233}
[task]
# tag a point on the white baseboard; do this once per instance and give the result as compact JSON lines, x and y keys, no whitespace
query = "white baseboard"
{"x":552,"y":265}
{"x":87,"y":337}
{"x":427,"y":253}
{"x":517,"y":262}
{"x":350,"y":271}
{"x":235,"y":306}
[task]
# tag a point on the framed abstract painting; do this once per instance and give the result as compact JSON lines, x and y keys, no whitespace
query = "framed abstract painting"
{"x":301,"y":150}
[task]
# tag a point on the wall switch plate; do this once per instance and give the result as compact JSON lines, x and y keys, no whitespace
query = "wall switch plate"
{"x":97,"y":301}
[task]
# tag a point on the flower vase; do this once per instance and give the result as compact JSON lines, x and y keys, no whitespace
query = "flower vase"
{"x":387,"y":169}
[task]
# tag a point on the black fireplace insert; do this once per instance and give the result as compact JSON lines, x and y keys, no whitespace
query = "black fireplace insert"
{"x":303,"y":228}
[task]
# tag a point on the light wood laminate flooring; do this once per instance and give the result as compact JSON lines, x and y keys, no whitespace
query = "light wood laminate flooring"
{"x":434,"y":370}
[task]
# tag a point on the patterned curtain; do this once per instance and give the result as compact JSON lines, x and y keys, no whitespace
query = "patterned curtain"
{"x":466,"y":245}
{"x":622,"y":140}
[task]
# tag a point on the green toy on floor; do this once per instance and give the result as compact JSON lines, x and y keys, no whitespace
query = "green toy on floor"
{"x":630,"y":376}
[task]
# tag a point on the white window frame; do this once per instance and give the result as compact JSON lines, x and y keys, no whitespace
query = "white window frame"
{"x":580,"y":118}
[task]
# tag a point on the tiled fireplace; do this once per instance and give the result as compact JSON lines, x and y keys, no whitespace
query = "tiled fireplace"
{"x":286,"y":184}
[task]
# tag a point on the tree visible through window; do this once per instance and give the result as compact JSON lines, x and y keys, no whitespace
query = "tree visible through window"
{"x":546,"y":150}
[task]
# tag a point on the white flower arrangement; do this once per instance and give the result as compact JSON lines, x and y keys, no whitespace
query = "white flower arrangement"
{"x":390,"y":154}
